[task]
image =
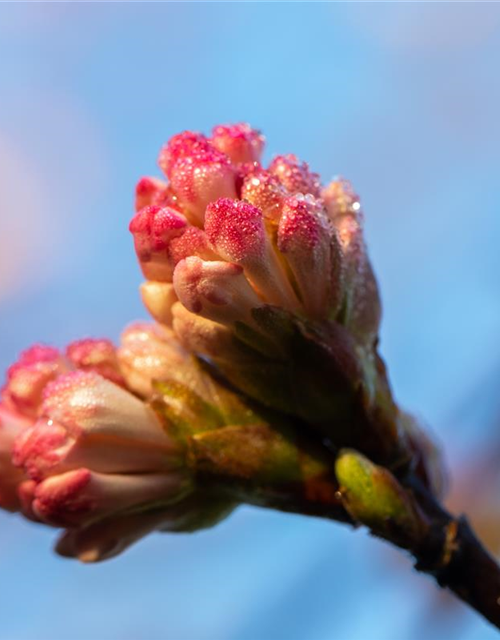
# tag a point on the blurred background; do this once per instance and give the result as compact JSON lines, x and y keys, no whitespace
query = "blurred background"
{"x":403,"y":99}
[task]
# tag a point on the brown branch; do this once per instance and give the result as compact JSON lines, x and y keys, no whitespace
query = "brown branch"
{"x":455,"y":558}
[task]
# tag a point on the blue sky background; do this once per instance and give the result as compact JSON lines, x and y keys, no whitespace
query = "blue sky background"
{"x":403,"y":99}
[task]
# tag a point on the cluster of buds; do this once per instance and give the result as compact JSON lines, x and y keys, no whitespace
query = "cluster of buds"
{"x":258,"y":382}
{"x":264,"y":272}
{"x":113,"y":443}
{"x":79,"y":447}
{"x":226,"y":236}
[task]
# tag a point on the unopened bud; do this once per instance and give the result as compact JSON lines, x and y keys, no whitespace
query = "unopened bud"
{"x":374,"y":497}
{"x":154,"y":228}
{"x":311,"y":249}
{"x":158,"y":298}
{"x":27,"y":378}
{"x":239,"y":141}
{"x":236,"y":230}
{"x":180,"y":146}
{"x":200,"y":179}
{"x":90,"y":422}
{"x":295,"y":176}
{"x":97,"y":355}
{"x":217,"y":291}
{"x":149,"y":352}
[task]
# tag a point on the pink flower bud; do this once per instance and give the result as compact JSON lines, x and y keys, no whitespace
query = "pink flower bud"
{"x":87,"y":421}
{"x":158,"y":298}
{"x":27,"y":378}
{"x":149,"y":352}
{"x":239,"y":141}
{"x":180,"y":146}
{"x":236,"y":230}
{"x":295,"y":176}
{"x":149,"y":191}
{"x":79,"y":497}
{"x":153,"y":228}
{"x":11,"y":425}
{"x":311,"y":249}
{"x":364,"y":308}
{"x":97,"y":355}
{"x":200,"y":179}
{"x":265,"y":191}
{"x":217,"y":291}
{"x":340,"y":198}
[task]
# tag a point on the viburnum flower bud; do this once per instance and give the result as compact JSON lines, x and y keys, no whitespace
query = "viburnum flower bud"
{"x":149,"y":352}
{"x":87,"y":421}
{"x":97,"y":450}
{"x":158,"y":298}
{"x":149,"y":191}
{"x":153,"y":228}
{"x":215,"y":290}
{"x":236,"y":230}
{"x":78,"y":497}
{"x":295,"y":176}
{"x":363,"y":306}
{"x":312,"y":251}
{"x":27,"y":378}
{"x":200,"y":179}
{"x":185,"y":144}
{"x":238,"y":141}
{"x":163,"y":237}
{"x":99,"y":355}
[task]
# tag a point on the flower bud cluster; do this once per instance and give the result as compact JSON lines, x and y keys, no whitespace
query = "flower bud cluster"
{"x":78,"y":444}
{"x":225,"y":236}
{"x":260,"y":285}
{"x":264,"y":271}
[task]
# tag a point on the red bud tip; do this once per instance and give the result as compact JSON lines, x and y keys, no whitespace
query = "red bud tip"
{"x":27,"y":378}
{"x":305,"y":238}
{"x":295,"y":176}
{"x":149,"y":191}
{"x":154,"y":228}
{"x":239,"y":141}
{"x":236,"y":229}
{"x":97,"y":355}
{"x":200,"y":179}
{"x":187,"y":143}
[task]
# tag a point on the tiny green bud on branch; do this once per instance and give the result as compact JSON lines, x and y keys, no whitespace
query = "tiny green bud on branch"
{"x":373,"y":497}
